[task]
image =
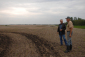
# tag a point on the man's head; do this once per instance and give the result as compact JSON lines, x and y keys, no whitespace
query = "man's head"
{"x":68,"y":19}
{"x":61,"y":21}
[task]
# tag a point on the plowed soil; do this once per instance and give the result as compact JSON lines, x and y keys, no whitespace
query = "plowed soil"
{"x":38,"y":41}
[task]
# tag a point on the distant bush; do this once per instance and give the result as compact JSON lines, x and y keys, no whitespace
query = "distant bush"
{"x":77,"y":21}
{"x":6,"y":25}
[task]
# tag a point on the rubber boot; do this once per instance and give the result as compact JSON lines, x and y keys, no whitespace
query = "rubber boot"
{"x":68,"y":49}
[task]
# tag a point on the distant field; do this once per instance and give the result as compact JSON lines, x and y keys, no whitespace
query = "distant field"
{"x":82,"y":27}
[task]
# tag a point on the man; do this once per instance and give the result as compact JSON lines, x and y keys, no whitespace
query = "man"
{"x":61,"y":30}
{"x":69,"y":35}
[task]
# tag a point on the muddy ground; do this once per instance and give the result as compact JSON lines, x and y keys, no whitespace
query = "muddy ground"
{"x":38,"y":41}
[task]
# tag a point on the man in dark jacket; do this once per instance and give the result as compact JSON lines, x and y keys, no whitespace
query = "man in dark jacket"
{"x":61,"y":31}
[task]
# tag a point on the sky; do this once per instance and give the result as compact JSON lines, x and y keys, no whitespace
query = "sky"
{"x":40,"y":11}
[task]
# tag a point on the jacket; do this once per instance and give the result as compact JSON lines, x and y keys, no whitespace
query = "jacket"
{"x":63,"y":29}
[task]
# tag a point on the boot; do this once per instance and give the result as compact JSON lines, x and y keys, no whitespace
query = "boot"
{"x":68,"y":49}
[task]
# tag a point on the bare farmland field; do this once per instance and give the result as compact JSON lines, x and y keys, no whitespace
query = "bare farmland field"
{"x":38,"y":41}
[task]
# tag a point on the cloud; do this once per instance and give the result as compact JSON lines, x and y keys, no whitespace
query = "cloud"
{"x":49,"y":11}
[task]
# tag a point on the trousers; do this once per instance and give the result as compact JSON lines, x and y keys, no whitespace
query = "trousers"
{"x":69,"y":42}
{"x":63,"y":38}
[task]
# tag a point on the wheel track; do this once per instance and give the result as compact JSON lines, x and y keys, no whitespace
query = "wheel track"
{"x":44,"y":47}
{"x":4,"y":44}
{"x":20,"y":47}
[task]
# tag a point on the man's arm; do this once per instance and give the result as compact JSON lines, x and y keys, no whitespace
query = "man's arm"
{"x":58,"y":29}
{"x":70,"y":32}
{"x":71,"y":28}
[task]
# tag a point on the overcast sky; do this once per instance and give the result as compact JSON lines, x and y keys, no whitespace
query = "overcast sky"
{"x":39,"y":11}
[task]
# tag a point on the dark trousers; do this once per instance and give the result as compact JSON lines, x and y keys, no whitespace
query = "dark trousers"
{"x":61,"y":41}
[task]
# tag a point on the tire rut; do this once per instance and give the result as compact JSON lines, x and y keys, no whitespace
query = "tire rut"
{"x":45,"y":48}
{"x":4,"y":44}
{"x":20,"y":47}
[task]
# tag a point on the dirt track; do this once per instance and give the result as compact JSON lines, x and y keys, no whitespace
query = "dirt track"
{"x":36,"y":41}
{"x":19,"y":46}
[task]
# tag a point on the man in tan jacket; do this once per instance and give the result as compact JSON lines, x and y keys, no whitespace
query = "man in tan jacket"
{"x":69,"y":34}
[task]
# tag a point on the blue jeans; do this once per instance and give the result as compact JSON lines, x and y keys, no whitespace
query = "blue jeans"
{"x":69,"y":42}
{"x":63,"y":38}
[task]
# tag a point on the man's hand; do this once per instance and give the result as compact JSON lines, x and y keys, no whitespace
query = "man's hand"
{"x":60,"y":29}
{"x":70,"y":35}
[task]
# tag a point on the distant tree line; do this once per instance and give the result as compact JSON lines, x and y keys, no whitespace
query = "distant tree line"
{"x":78,"y":21}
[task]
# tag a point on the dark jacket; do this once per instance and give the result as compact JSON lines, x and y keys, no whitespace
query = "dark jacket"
{"x":63,"y":28}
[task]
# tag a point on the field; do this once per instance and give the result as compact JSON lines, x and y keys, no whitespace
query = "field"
{"x":82,"y":27}
{"x":38,"y":41}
